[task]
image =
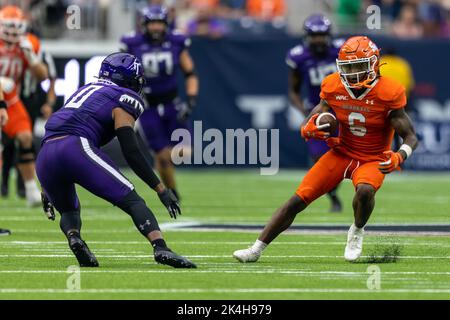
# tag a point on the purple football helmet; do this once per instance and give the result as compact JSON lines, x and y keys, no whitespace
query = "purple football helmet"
{"x":123,"y":69}
{"x":317,"y":29}
{"x":317,"y":24}
{"x":151,"y":14}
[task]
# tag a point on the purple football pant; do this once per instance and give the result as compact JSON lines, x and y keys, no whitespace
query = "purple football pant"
{"x":71,"y":160}
{"x":317,"y":148}
{"x":158,"y":123}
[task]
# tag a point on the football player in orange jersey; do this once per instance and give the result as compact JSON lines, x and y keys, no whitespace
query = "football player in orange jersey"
{"x":19,"y":51}
{"x":369,"y":108}
{"x":3,"y":121}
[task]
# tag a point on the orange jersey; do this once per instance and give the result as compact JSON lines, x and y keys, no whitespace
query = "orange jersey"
{"x":364,"y":128}
{"x":13,"y":63}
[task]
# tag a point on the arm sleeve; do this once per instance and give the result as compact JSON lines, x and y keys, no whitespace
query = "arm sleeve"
{"x":134,"y":156}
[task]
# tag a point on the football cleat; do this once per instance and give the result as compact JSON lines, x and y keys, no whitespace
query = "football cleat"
{"x":169,"y":258}
{"x":247,"y":255}
{"x":353,"y":248}
{"x":5,"y":232}
{"x":81,"y":251}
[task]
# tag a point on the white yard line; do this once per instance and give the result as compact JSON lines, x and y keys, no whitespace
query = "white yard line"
{"x":226,"y":290}
{"x":219,"y":270}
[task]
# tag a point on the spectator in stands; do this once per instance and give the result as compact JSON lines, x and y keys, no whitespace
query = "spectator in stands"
{"x":266,"y":10}
{"x":233,"y":9}
{"x":207,"y":24}
{"x":407,"y":26}
{"x":430,"y":13}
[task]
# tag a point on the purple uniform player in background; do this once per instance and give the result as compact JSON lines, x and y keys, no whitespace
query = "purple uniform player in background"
{"x":71,"y":154}
{"x":309,"y":65}
{"x":163,"y":53}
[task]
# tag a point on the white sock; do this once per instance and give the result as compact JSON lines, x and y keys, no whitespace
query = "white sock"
{"x":356,"y":229}
{"x":30,"y":185}
{"x":259,"y":246}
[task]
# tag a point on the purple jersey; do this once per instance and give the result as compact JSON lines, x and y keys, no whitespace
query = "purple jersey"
{"x":88,"y":112}
{"x":313,"y":70}
{"x":161,"y":61}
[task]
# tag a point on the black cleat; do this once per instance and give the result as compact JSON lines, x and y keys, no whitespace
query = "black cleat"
{"x":81,"y":251}
{"x":5,"y":232}
{"x":167,"y":257}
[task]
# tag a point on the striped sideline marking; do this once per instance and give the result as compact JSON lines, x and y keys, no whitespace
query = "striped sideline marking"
{"x":227,"y":290}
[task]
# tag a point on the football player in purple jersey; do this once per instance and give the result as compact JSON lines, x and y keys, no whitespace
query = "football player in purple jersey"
{"x":163,"y":54}
{"x":308,"y":65}
{"x":71,"y":154}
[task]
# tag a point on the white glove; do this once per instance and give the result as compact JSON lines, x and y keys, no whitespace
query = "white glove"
{"x":27,"y":49}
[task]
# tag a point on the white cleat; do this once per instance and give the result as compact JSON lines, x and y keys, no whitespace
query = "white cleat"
{"x":353,"y":249}
{"x":247,"y":255}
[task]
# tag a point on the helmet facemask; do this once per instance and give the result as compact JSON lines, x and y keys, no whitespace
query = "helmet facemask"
{"x":318,"y":43}
{"x":155,"y":35}
{"x":12,"y":30}
{"x":358,"y":73}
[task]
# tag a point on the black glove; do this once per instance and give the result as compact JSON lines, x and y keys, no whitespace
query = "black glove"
{"x":185,"y":110}
{"x":48,"y":207}
{"x":169,"y":200}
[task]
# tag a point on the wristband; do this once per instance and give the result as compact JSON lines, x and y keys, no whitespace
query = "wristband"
{"x":3,"y":105}
{"x":406,"y":149}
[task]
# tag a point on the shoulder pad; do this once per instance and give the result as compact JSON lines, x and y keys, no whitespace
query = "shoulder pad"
{"x":330,"y":83}
{"x":297,"y":50}
{"x":337,"y":43}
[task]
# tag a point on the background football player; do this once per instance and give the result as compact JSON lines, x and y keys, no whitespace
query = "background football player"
{"x":308,"y":66}
{"x":163,"y":53}
{"x":19,"y":51}
{"x":71,"y":154}
{"x":372,"y":110}
{"x":3,"y":121}
{"x":39,"y":104}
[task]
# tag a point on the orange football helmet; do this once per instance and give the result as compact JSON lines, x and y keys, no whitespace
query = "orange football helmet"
{"x":13,"y":24}
{"x":358,"y":62}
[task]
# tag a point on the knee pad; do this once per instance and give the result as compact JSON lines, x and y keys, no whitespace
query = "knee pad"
{"x":26,"y":155}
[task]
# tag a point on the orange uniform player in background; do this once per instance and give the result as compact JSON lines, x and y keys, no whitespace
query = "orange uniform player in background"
{"x":19,"y":51}
{"x":369,"y":108}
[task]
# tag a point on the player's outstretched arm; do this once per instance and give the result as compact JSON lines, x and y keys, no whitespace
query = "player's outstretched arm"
{"x":309,"y":129}
{"x":124,"y":124}
{"x":192,"y":84}
{"x":402,"y":124}
{"x":295,"y":82}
